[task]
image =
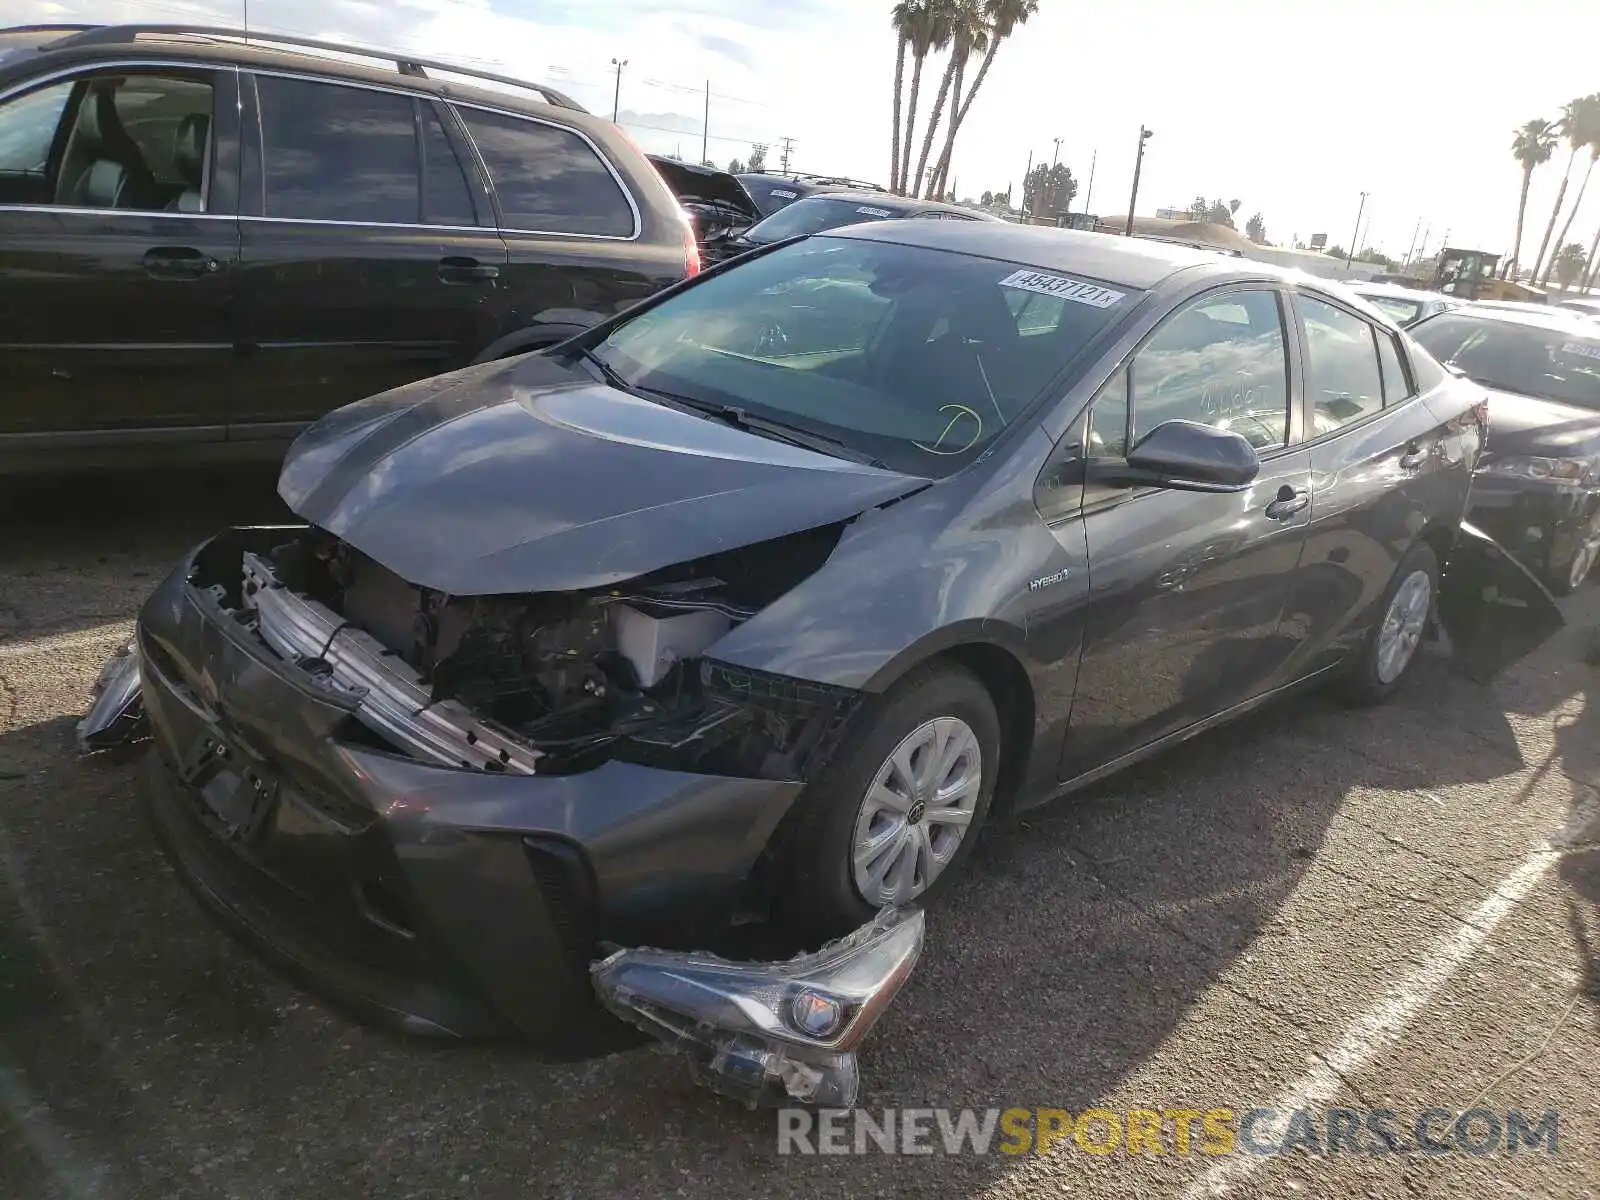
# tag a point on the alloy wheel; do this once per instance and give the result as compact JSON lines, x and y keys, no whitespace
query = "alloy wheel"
{"x":917,"y":810}
{"x":1403,"y":625}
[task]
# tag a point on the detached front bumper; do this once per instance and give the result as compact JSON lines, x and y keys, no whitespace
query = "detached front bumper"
{"x":430,"y":898}
{"x":1542,"y":522}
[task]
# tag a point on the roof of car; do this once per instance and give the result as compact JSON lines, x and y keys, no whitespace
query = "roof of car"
{"x":1398,"y":291}
{"x":1132,"y":262}
{"x":894,"y":203}
{"x":1551,"y":318}
{"x":203,"y":43}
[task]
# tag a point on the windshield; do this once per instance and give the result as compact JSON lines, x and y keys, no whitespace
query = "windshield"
{"x":813,"y":215}
{"x":1551,"y":364}
{"x":770,"y":194}
{"x":1398,"y":310}
{"x":913,"y":356}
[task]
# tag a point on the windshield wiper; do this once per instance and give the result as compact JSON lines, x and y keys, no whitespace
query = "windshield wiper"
{"x":607,"y":372}
{"x":783,"y":431}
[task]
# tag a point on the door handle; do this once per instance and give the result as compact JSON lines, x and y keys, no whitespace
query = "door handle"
{"x":1412,"y":458}
{"x":1288,"y":502}
{"x":178,"y":262}
{"x":463,"y":269}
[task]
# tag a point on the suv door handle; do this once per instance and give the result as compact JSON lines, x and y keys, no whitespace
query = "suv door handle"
{"x":464,"y":269}
{"x":1412,"y":458}
{"x":178,"y":262}
{"x":1289,"y":501}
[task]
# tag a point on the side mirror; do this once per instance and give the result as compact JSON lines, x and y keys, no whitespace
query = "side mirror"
{"x":1184,"y":456}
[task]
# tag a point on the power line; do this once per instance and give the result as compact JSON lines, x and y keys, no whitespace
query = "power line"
{"x":743,"y":141}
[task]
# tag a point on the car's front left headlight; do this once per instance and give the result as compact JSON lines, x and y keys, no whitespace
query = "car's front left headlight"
{"x":1584,"y":471}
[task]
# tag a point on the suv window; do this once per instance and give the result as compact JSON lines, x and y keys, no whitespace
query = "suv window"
{"x":335,"y":153}
{"x":547,"y":179}
{"x":446,"y":198}
{"x":1342,"y":372}
{"x":131,"y":140}
{"x":1222,"y":361}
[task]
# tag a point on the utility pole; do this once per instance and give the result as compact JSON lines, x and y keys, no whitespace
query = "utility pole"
{"x":1410,"y":249}
{"x":1056,"y":157}
{"x":616,"y":96}
{"x":1089,"y":193}
{"x":1023,"y":208}
{"x":1351,"y":253}
{"x":788,"y":145}
{"x":705,"y":128}
{"x":1138,"y":165}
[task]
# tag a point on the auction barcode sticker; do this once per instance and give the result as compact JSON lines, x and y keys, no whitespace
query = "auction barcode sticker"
{"x":1582,"y":349}
{"x":874,"y":212}
{"x":1075,"y":290}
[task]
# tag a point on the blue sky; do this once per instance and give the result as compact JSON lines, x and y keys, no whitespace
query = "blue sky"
{"x":1250,"y":99}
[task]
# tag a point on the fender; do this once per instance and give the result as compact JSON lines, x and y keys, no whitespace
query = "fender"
{"x":549,"y":328}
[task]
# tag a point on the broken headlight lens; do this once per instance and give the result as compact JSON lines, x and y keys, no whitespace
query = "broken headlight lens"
{"x":1556,"y":470}
{"x":758,"y":1031}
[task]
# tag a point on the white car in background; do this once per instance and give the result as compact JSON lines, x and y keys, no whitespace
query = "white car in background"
{"x":1404,"y":306}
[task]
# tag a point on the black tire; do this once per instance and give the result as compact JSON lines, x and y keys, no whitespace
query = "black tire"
{"x":1362,"y":683}
{"x":816,"y":893}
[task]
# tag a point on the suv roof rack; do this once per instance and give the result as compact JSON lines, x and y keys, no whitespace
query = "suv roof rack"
{"x":405,"y":64}
{"x":841,"y":179}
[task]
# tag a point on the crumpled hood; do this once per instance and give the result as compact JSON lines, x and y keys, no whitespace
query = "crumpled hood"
{"x":705,"y":185}
{"x":525,"y":476}
{"x":1525,"y":425}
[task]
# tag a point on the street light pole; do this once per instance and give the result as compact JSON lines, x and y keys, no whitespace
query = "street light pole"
{"x":1056,"y":157}
{"x":1089,"y":194}
{"x":1023,"y":207}
{"x":1351,"y":253}
{"x":1138,"y":165}
{"x":616,"y":96}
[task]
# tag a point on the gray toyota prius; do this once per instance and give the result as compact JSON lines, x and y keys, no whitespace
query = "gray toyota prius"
{"x":750,"y":607}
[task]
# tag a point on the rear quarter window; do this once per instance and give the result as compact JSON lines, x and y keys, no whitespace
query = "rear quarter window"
{"x":548,"y":179}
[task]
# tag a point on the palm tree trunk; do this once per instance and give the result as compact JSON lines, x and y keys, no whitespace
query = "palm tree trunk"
{"x":911,"y":122}
{"x":1577,"y":203}
{"x":933,"y":124}
{"x":894,"y":133}
{"x":1522,"y":212}
{"x":965,"y":103}
{"x":1589,"y":272}
{"x":1561,"y":195}
{"x":941,"y":171}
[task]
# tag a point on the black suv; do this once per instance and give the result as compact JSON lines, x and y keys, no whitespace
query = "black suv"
{"x":206,"y":244}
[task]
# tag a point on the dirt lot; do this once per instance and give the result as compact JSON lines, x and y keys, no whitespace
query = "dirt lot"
{"x":1389,"y":909}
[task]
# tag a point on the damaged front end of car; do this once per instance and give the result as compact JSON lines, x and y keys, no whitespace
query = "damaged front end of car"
{"x":411,"y":764}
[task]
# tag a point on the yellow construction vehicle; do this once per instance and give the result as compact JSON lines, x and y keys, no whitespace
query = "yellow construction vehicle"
{"x":1470,"y":275}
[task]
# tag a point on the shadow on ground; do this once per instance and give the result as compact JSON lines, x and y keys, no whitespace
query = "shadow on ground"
{"x":143,"y":1053}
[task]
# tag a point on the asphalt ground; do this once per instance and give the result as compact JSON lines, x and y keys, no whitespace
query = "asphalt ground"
{"x":1317,"y":908}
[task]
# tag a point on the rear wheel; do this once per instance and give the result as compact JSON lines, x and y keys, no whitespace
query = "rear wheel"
{"x":1391,"y":645}
{"x":894,"y":815}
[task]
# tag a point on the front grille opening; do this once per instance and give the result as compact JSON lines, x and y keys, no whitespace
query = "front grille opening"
{"x":568,"y":889}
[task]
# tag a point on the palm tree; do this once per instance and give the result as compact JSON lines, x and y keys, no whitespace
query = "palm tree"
{"x":1003,"y":17}
{"x":927,"y":30}
{"x":901,"y":18}
{"x":1568,"y":264}
{"x":1584,"y":131}
{"x":963,"y":27}
{"x":1532,"y":146}
{"x":1567,"y":127}
{"x":1594,"y":261}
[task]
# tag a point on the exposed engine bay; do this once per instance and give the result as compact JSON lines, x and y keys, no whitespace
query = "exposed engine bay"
{"x":546,"y":683}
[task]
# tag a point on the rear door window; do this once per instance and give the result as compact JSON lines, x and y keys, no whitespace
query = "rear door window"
{"x":1342,"y":371}
{"x":335,"y":153}
{"x":1396,"y":384}
{"x":548,"y":179}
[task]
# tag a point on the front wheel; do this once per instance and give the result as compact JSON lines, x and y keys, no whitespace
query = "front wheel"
{"x":1564,"y":578}
{"x":895,"y":814}
{"x":1391,"y":645}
